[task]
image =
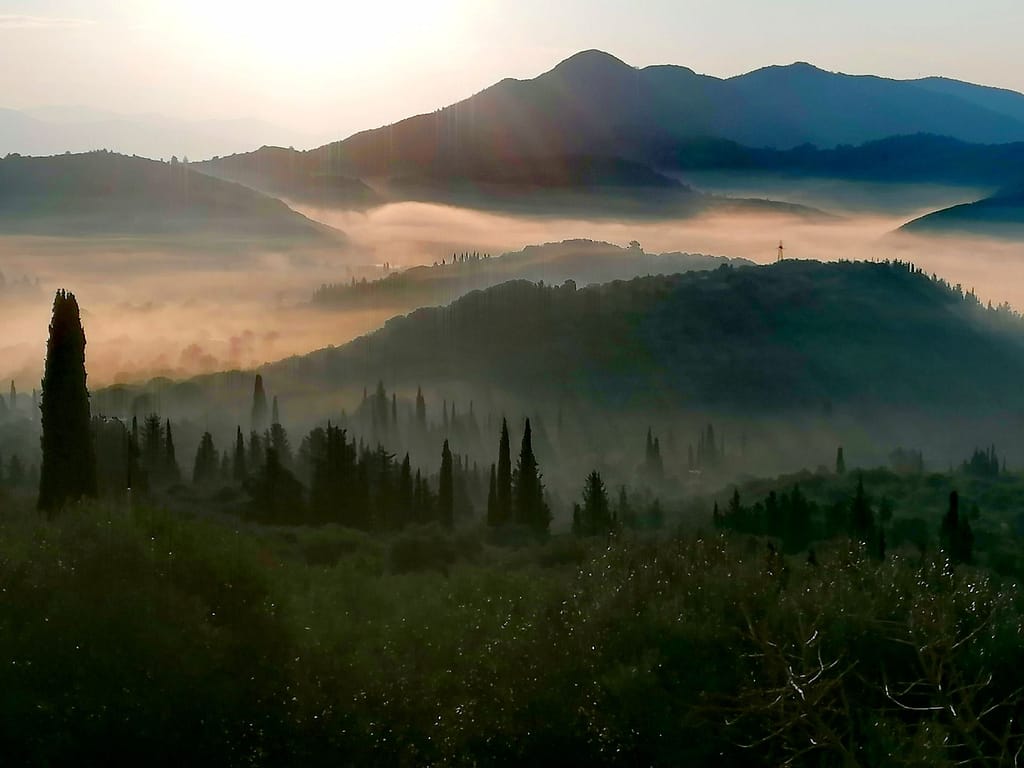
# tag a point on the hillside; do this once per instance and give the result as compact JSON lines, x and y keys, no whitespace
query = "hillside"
{"x":583,"y":261}
{"x":100,"y":193}
{"x":791,"y":336}
{"x":919,"y":157}
{"x":999,"y":216}
{"x":595,"y":106}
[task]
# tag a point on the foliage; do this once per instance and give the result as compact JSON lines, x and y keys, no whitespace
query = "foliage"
{"x":261,"y":646}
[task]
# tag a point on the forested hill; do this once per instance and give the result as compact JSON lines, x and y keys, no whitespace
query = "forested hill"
{"x":583,"y":261}
{"x":1001,"y":215}
{"x":102,"y":193}
{"x":792,"y":335}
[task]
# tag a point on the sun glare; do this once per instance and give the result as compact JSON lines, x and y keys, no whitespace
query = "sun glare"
{"x":304,"y":34}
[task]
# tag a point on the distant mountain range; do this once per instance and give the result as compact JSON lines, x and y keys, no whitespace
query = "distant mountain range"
{"x":101,"y":193}
{"x":57,"y":129}
{"x":595,"y":124}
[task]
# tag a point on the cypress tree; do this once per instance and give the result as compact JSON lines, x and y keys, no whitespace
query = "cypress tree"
{"x":530,"y":509}
{"x":275,"y":417}
{"x":421,"y":410}
{"x":492,"y":499}
{"x":173,"y":471}
{"x":840,"y":462}
{"x":259,"y":405}
{"x":238,"y":469}
{"x":69,"y":460}
{"x":14,"y":397}
{"x":405,"y":492}
{"x":862,"y":519}
{"x":446,"y":489}
{"x":503,"y":497}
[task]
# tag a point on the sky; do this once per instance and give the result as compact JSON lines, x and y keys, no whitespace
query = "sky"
{"x":329,"y":69}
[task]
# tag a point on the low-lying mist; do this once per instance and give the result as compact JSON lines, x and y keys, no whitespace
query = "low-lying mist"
{"x":155,"y":310}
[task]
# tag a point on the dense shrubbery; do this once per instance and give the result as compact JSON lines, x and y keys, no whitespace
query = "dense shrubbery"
{"x":143,"y":638}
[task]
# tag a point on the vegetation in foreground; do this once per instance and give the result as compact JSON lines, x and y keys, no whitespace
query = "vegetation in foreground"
{"x":135,"y":636}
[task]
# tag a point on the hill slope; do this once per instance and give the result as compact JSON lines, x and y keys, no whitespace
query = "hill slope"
{"x":756,"y":339}
{"x":583,"y":261}
{"x":100,"y":193}
{"x":1001,"y":216}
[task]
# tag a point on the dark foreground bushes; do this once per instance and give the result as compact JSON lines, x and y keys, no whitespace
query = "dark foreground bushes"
{"x":137,"y":638}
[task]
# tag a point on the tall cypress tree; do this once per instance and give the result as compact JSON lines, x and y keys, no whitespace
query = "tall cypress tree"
{"x":504,"y":478}
{"x":530,"y":509}
{"x":238,"y":469}
{"x":275,"y":413}
{"x":446,"y":489}
{"x":840,"y":461}
{"x":492,"y":498}
{"x":172,"y":470}
{"x":421,"y":410}
{"x":405,"y":492}
{"x":259,"y":406}
{"x":69,"y":459}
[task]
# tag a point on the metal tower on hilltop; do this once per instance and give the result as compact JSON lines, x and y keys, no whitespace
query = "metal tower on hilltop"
{"x":781,"y":255}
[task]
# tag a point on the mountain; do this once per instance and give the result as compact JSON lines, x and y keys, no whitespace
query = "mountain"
{"x":792,"y":335}
{"x":920,"y":157}
{"x":595,"y":106}
{"x":1000,"y":216}
{"x":57,"y":129}
{"x":100,"y":193}
{"x":582,"y":261}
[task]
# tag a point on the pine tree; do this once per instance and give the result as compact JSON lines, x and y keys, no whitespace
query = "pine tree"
{"x":279,"y":442}
{"x":492,"y":498}
{"x":840,"y":462}
{"x":276,"y":496}
{"x":238,"y":469}
{"x":504,"y":477}
{"x":421,"y":410}
{"x":446,"y":489}
{"x":171,"y":469}
{"x":152,"y":448}
{"x":595,"y":515}
{"x":862,"y":519}
{"x":206,"y":467}
{"x":259,"y":405}
{"x":956,"y":535}
{"x":275,"y":417}
{"x":405,"y":492}
{"x":69,"y":461}
{"x":528,"y":495}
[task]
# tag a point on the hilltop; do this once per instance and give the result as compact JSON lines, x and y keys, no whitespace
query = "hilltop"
{"x":105,"y":194}
{"x":582,"y":261}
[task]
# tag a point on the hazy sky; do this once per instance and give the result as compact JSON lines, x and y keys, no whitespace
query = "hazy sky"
{"x":331,"y":68}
